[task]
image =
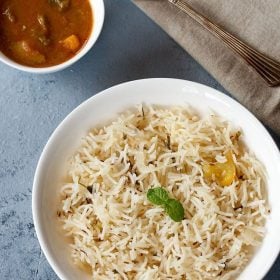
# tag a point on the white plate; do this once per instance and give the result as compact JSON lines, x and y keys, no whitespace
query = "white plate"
{"x":106,"y":105}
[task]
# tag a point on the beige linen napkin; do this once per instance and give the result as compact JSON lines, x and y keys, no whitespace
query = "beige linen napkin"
{"x":257,"y":22}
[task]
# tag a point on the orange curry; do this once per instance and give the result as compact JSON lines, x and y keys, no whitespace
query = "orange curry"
{"x":42,"y":33}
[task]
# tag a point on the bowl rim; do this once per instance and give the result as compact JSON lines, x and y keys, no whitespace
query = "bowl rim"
{"x":41,"y":162}
{"x":98,"y":21}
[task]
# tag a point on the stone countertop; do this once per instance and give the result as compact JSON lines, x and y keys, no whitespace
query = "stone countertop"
{"x":130,"y":47}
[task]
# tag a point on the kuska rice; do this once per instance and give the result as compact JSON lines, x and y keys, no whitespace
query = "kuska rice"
{"x":201,"y":163}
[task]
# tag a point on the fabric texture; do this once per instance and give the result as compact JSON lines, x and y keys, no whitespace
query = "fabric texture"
{"x":255,"y":22}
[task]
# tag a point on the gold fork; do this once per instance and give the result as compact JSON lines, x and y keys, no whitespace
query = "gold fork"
{"x":266,"y":67}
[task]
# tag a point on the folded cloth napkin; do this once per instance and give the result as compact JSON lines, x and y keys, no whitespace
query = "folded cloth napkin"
{"x":255,"y":22}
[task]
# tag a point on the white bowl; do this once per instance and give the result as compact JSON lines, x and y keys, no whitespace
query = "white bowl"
{"x":105,"y":106}
{"x":98,"y":12}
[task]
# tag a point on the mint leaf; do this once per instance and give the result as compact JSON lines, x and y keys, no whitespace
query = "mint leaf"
{"x":174,"y":209}
{"x":157,"y":196}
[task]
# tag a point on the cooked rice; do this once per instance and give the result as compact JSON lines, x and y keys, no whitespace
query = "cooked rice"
{"x":119,"y":234}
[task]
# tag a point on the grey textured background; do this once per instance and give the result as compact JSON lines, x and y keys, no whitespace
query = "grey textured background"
{"x":130,"y":47}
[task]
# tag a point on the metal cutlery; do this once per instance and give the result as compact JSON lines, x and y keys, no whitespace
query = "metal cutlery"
{"x":266,"y":67}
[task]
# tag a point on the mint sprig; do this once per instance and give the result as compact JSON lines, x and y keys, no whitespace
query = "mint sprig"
{"x":173,"y":207}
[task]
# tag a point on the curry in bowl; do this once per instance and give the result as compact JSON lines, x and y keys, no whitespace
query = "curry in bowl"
{"x":43,"y":33}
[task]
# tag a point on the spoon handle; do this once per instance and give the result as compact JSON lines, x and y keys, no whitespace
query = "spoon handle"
{"x":266,"y":67}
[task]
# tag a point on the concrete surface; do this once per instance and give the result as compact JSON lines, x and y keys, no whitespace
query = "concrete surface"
{"x":131,"y":47}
